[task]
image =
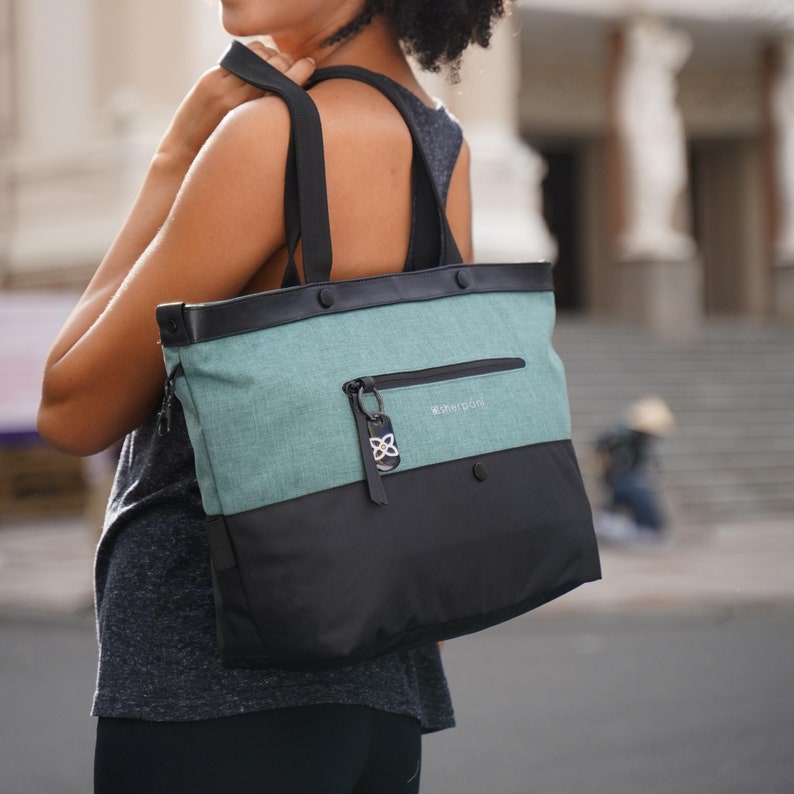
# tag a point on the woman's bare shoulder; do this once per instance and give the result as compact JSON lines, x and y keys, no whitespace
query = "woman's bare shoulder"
{"x":355,"y":109}
{"x":256,"y":132}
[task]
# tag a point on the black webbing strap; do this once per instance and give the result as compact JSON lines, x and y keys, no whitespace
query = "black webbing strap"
{"x":306,"y":152}
{"x":305,"y":195}
{"x":430,"y":210}
{"x":425,"y":246}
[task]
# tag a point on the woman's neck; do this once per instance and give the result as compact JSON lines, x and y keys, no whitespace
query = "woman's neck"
{"x":373,"y":47}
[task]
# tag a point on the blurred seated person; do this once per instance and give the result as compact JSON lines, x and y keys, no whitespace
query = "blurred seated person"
{"x":632,"y":513}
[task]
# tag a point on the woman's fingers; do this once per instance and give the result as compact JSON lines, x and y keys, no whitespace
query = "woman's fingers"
{"x":217,"y":93}
{"x":279,"y":60}
{"x":261,"y":49}
{"x":298,"y":70}
{"x":301,"y":70}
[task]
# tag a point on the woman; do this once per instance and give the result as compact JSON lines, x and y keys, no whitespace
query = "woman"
{"x":208,"y":224}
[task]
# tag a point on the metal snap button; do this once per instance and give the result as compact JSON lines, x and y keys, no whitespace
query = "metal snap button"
{"x":326,"y":297}
{"x":463,"y":279}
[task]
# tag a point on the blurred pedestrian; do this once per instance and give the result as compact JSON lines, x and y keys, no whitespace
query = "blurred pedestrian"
{"x":632,"y":512}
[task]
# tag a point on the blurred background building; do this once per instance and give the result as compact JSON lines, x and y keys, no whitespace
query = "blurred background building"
{"x":645,"y":146}
{"x":662,"y":133}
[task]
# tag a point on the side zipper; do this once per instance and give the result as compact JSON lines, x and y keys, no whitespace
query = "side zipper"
{"x":164,"y":416}
{"x":379,"y":450}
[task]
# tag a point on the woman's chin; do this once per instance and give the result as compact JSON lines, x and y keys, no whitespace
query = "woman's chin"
{"x":235,"y":24}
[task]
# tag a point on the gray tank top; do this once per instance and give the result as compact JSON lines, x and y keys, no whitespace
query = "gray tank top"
{"x":158,"y":658}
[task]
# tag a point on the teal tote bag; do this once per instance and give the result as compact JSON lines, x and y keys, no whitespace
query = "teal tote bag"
{"x":384,"y":462}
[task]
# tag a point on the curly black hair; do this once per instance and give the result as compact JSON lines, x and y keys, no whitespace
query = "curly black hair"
{"x":434,"y":32}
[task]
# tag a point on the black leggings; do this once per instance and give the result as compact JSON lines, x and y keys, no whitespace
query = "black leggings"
{"x":324,"y":749}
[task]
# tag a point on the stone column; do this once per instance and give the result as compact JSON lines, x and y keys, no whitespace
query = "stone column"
{"x":7,"y":117}
{"x":506,"y":173}
{"x":53,"y":51}
{"x":659,"y":273}
{"x":781,"y":107}
{"x":206,"y":39}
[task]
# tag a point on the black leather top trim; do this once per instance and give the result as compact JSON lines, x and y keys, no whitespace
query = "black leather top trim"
{"x":204,"y":321}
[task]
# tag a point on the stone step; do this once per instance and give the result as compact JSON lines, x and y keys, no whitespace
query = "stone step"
{"x":728,"y":332}
{"x":734,"y":432}
{"x":731,"y":390}
{"x":752,"y":467}
{"x":618,"y":372}
{"x":723,"y":445}
{"x":744,"y":466}
{"x":755,"y":481}
{"x":709,"y":422}
{"x":747,"y":378}
{"x":612,"y":379}
{"x":642,"y":351}
{"x":716,"y":503}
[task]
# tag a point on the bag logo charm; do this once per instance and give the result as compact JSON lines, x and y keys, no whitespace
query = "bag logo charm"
{"x":384,"y":449}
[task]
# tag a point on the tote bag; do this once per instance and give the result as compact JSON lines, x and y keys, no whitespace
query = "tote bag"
{"x":384,"y":462}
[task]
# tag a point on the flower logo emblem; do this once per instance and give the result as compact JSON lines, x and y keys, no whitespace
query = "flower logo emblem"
{"x":384,"y":447}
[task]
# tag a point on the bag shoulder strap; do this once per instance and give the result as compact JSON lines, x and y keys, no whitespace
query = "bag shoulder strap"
{"x":306,"y":201}
{"x":426,"y":190}
{"x":306,"y":150}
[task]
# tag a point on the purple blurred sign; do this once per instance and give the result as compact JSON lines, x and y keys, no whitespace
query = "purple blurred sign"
{"x":29,"y":322}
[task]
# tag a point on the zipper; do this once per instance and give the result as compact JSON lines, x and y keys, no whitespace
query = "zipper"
{"x":466,"y":369}
{"x":164,"y":416}
{"x":379,"y":451}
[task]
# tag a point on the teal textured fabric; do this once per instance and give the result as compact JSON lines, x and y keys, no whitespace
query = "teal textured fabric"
{"x":269,"y":420}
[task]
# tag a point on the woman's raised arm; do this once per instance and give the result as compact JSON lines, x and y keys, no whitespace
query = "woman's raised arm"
{"x":202,"y":225}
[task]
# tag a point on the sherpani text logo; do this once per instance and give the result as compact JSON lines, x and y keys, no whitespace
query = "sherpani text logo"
{"x":453,"y":408}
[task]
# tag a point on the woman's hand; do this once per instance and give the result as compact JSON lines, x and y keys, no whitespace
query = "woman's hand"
{"x":216,"y":93}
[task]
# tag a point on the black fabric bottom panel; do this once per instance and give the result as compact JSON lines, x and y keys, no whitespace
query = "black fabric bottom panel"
{"x":332,"y":579}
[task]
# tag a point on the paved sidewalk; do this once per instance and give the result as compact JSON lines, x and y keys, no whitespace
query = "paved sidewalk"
{"x":45,"y":568}
{"x":732,"y":566}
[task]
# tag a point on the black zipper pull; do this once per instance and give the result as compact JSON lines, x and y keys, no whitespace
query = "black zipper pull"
{"x":164,"y":416}
{"x":376,"y":438}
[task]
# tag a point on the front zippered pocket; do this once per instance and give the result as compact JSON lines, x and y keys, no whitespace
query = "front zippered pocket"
{"x":379,"y":449}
